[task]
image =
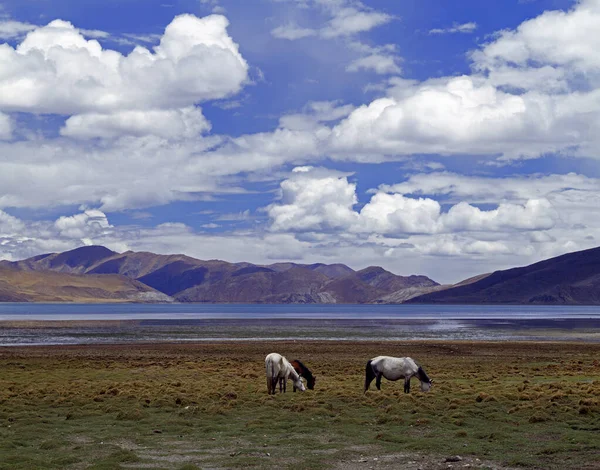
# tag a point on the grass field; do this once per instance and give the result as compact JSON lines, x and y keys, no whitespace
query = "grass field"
{"x":187,"y":406}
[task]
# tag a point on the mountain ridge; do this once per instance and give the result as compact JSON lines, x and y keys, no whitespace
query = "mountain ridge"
{"x":95,"y":273}
{"x":188,"y":279}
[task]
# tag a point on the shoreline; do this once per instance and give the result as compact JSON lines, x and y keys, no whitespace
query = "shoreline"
{"x":40,"y":333}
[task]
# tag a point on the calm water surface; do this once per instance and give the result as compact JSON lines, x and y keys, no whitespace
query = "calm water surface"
{"x":34,"y":324}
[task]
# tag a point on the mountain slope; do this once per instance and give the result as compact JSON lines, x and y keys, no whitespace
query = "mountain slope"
{"x":296,"y":285}
{"x":573,"y":278}
{"x":46,"y":286}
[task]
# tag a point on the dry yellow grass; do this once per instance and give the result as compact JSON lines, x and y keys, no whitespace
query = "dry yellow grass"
{"x":196,"y":405}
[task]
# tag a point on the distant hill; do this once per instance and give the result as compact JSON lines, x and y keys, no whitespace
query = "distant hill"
{"x":571,"y":279}
{"x":46,"y":286}
{"x":187,"y":279}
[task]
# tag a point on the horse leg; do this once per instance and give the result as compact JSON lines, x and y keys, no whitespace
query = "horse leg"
{"x":378,"y":381}
{"x":284,"y":384}
{"x":269,"y":385}
{"x":407,"y":385}
{"x":274,"y":385}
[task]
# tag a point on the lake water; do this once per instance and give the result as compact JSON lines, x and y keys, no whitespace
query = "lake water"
{"x":35,"y":324}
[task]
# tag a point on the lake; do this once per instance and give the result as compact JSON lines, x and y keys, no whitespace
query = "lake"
{"x":34,"y":324}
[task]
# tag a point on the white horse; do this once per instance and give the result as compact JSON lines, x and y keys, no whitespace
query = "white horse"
{"x":394,"y":368}
{"x":279,"y":369}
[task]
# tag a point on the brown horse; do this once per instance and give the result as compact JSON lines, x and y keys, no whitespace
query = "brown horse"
{"x":305,"y":372}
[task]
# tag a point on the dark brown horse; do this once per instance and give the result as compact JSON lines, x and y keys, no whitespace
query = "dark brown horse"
{"x":304,"y":371}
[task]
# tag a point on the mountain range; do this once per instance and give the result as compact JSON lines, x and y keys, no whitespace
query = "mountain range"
{"x":97,"y":274}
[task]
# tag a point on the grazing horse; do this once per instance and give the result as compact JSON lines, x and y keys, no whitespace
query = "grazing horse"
{"x":394,"y":368}
{"x":305,"y":372}
{"x":279,"y":369}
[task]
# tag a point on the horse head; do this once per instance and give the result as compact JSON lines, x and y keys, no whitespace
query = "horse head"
{"x":310,"y":382}
{"x":299,"y":384}
{"x":425,"y":380}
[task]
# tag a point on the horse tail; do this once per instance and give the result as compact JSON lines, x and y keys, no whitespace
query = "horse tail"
{"x":369,"y":375}
{"x":269,"y":372}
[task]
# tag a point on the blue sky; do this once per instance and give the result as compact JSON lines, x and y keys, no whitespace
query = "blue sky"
{"x":428,"y":137}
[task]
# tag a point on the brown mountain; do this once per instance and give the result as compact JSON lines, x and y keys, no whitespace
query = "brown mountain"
{"x":46,"y":286}
{"x":188,"y":279}
{"x":296,"y":285}
{"x":372,"y":284}
{"x":573,"y":278}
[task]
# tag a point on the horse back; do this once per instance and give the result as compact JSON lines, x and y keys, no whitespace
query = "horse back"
{"x":393,"y":368}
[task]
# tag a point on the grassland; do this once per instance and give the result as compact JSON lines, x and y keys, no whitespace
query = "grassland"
{"x":187,"y":406}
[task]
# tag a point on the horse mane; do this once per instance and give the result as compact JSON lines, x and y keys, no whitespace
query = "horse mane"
{"x":422,"y":376}
{"x":305,"y":370}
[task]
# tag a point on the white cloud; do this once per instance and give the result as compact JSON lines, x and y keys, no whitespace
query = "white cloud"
{"x":456,"y":28}
{"x":95,"y":33}
{"x":292,"y":32}
{"x":88,"y":224}
{"x":61,"y":72}
{"x":345,"y":18}
{"x":381,"y":64}
{"x":126,"y":173}
{"x":492,"y":189}
{"x":316,"y":200}
{"x":314,"y":114}
{"x":175,"y":123}
{"x":9,"y":225}
{"x":556,"y":37}
{"x":467,"y":115}
{"x":352,"y":20}
{"x":10,"y":29}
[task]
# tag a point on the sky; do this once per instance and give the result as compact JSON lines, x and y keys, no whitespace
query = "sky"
{"x":437,"y":137}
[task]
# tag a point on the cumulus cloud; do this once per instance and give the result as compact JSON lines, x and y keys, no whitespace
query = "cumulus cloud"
{"x":62,"y":72}
{"x":88,"y":224}
{"x":533,"y":91}
{"x":9,"y":225}
{"x":467,"y":115}
{"x":314,"y":200}
{"x":558,"y":38}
